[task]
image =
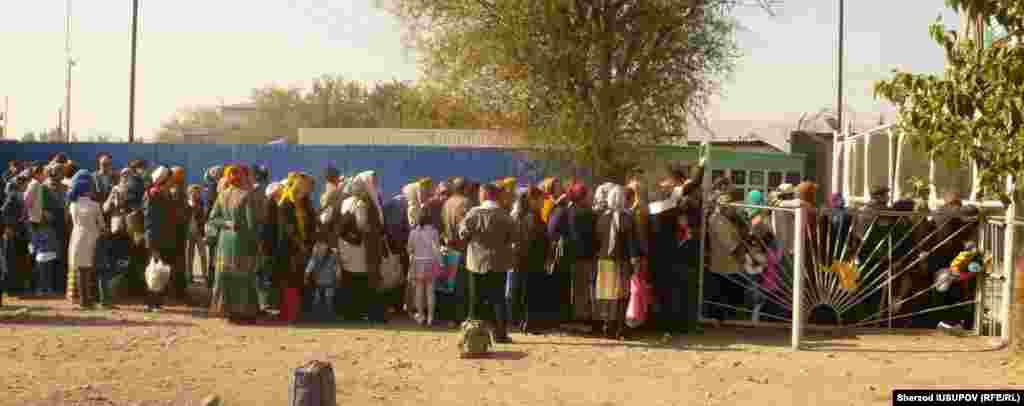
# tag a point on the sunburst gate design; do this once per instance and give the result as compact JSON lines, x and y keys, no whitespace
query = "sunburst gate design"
{"x":870,"y":268}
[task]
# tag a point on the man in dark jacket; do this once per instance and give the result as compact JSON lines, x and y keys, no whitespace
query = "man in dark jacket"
{"x":453,"y":212}
{"x":490,"y":234}
{"x":104,"y":178}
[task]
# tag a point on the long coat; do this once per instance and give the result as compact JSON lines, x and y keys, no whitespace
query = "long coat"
{"x":87,"y":220}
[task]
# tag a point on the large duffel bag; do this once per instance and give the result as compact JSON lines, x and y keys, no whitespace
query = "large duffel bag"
{"x":312,"y":385}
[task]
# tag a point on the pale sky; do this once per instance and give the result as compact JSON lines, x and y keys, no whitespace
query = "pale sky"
{"x":195,"y":52}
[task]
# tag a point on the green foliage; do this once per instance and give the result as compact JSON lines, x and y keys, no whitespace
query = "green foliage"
{"x":590,"y":80}
{"x":975,"y":110}
{"x":919,"y":188}
{"x":332,"y":102}
{"x":30,"y":137}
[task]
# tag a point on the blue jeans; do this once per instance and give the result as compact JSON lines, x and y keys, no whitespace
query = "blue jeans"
{"x":323,"y":302}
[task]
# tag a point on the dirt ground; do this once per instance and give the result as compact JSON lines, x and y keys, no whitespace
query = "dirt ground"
{"x":53,"y":355}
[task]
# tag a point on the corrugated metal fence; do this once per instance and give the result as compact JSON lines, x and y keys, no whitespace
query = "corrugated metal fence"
{"x":395,"y":165}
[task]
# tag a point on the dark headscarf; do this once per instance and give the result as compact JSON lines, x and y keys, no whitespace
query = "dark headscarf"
{"x":80,"y":188}
{"x":261,"y":175}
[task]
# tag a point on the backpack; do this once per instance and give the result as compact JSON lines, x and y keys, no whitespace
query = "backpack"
{"x":475,"y":339}
{"x":312,"y":385}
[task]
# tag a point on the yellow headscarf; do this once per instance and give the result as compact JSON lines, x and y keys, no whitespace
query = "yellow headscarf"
{"x":548,"y":187}
{"x":508,"y":191}
{"x":230,"y":172}
{"x":295,"y":185}
{"x":425,"y":183}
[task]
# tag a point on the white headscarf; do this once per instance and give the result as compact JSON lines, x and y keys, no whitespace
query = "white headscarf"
{"x":365,"y":182}
{"x":160,"y":175}
{"x":616,"y":204}
{"x":601,"y":195}
{"x":273,"y":188}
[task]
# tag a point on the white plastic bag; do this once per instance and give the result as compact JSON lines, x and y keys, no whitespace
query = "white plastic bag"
{"x":157,"y":275}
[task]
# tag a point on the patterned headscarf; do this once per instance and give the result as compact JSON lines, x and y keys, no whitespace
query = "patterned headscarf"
{"x":508,"y":184}
{"x":273,"y":189}
{"x":522,"y":204}
{"x":547,"y":186}
{"x":160,"y":175}
{"x":364,"y":185}
{"x":214,"y":174}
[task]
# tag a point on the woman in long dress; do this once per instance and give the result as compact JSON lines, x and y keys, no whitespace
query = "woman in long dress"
{"x":232,"y":219}
{"x":573,"y":223}
{"x":617,"y":255}
{"x":532,"y":249}
{"x":296,"y":230}
{"x":362,"y":249}
{"x":87,"y":222}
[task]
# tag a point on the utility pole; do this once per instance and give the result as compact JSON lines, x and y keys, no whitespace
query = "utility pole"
{"x":131,"y":95}
{"x":839,"y":68}
{"x":70,"y":62}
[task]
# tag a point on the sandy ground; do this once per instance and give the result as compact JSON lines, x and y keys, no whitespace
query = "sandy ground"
{"x":52,"y":355}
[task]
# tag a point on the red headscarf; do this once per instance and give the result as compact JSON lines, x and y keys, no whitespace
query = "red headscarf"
{"x":577,"y":192}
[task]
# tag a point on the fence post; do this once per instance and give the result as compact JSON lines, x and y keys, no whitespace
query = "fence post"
{"x":837,"y":154}
{"x":1008,"y":261}
{"x":798,"y":276}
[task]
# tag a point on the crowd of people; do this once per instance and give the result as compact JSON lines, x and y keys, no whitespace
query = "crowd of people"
{"x":525,"y":257}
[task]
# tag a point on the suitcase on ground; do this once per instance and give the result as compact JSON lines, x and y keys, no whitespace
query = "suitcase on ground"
{"x":312,"y":385}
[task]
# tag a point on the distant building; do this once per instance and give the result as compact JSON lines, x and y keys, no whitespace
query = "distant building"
{"x":237,"y":115}
{"x":743,"y":145}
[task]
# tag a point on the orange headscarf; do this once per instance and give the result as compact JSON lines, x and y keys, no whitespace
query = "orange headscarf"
{"x":178,"y":176}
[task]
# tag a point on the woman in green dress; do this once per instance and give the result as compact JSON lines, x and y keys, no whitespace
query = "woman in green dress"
{"x":235,"y":293}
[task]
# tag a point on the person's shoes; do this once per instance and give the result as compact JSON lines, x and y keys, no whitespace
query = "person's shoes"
{"x":952,"y":329}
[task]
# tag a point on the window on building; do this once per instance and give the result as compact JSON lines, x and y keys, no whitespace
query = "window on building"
{"x":739,"y":178}
{"x":793,"y":178}
{"x":717,"y":174}
{"x":756,"y":179}
{"x":774,"y":179}
{"x":738,"y":195}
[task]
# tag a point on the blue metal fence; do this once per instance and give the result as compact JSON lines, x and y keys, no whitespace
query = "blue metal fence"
{"x":395,"y":165}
